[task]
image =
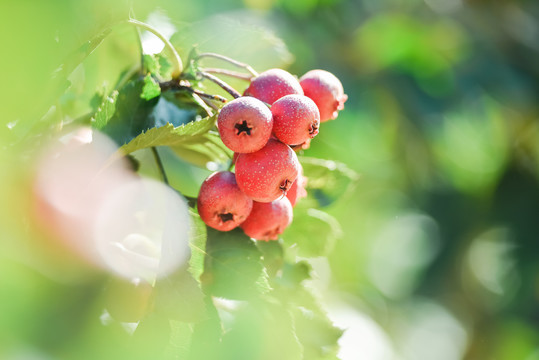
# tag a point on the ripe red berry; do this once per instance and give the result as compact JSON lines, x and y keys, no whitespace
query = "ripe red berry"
{"x":302,"y":146}
{"x":273,"y":84}
{"x":268,"y":220}
{"x":245,"y":124}
{"x":326,"y":91}
{"x":268,"y":173}
{"x":296,"y":119}
{"x":221,"y":204}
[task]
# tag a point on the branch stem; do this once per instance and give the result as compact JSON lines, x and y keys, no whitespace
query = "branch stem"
{"x":177,"y":60}
{"x":175,"y":85}
{"x":230,"y":73}
{"x":159,"y":164}
{"x":229,"y":60}
{"x":211,"y":105}
{"x":229,"y":89}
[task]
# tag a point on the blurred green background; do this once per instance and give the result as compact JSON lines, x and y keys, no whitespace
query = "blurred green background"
{"x":439,"y":252}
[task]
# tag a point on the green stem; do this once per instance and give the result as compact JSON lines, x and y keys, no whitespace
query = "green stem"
{"x":177,"y":60}
{"x":159,"y":164}
{"x":139,"y":37}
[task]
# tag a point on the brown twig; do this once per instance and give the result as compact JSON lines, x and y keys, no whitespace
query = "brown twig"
{"x":174,"y":85}
{"x":229,"y":60}
{"x":210,"y":104}
{"x":230,"y":73}
{"x":229,"y":89}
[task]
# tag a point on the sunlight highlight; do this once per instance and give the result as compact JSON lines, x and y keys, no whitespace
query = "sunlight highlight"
{"x":101,"y":211}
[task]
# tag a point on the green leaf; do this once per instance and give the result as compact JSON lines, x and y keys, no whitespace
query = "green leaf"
{"x":62,"y":73}
{"x":171,"y":120}
{"x":207,"y":334}
{"x":168,"y":135}
{"x":316,"y":333}
{"x":293,"y":274}
{"x":314,"y":330}
{"x":179,"y":297}
{"x":105,"y":111}
{"x":151,"y":88}
{"x":328,"y":180}
{"x":152,"y":337}
{"x":150,"y":64}
{"x":135,"y":115}
{"x":158,"y":65}
{"x":252,"y":44}
{"x":197,"y":243}
{"x":286,"y":274}
{"x":192,"y":69}
{"x":313,"y":231}
{"x":193,"y":142}
{"x":165,"y":67}
{"x":272,"y":255}
{"x":203,"y":149}
{"x":181,"y":336}
{"x":58,"y":87}
{"x":262,"y":330}
{"x":177,"y":108}
{"x":233,"y":267}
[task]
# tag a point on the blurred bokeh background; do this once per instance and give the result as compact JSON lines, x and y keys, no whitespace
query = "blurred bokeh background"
{"x":438,"y":256}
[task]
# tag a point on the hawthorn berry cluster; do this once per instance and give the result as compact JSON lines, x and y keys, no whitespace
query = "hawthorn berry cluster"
{"x":276,"y":114}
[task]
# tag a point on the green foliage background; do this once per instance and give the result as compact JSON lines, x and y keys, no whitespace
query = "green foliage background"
{"x":436,"y":242}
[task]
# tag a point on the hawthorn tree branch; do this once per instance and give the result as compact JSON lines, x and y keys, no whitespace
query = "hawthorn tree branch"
{"x":159,"y":164}
{"x":230,"y":73}
{"x":229,"y":89}
{"x":175,"y":85}
{"x":229,"y":60}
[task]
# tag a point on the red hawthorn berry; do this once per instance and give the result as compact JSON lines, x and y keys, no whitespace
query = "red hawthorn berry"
{"x":221,"y":204}
{"x":268,"y":220}
{"x":245,"y":124}
{"x":273,"y":84}
{"x":326,"y":90}
{"x":268,"y":173}
{"x":303,"y":146}
{"x":296,"y":119}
